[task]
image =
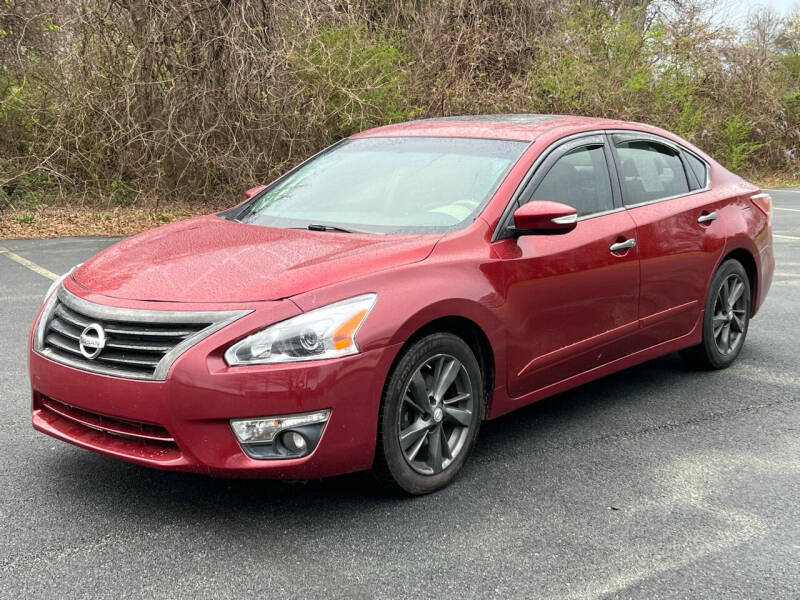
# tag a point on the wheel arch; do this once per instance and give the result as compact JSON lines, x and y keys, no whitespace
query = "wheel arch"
{"x":468,"y":329}
{"x":748,"y":261}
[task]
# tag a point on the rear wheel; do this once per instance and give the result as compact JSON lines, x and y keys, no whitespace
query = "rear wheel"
{"x":429,"y":416}
{"x":726,"y":318}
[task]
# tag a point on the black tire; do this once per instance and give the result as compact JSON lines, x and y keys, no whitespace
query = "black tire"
{"x":427,"y":361}
{"x":712,"y":352}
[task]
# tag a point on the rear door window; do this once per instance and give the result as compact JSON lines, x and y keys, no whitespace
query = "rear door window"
{"x":698,"y":167}
{"x":649,"y":171}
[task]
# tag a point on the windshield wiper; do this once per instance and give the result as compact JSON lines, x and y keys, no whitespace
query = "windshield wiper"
{"x":334,"y":228}
{"x":323,"y":227}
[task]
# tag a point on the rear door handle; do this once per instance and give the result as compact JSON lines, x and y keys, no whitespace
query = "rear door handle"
{"x":707,"y":218}
{"x":629,"y":243}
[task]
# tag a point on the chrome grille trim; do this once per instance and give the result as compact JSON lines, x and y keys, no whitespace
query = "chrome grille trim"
{"x":142,"y":344}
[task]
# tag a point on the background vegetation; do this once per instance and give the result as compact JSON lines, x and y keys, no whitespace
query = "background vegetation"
{"x":177,"y":100}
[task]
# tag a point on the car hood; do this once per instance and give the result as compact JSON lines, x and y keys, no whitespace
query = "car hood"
{"x":210,"y":259}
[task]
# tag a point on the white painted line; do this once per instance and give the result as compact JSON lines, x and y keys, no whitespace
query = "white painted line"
{"x":785,"y":237}
{"x":24,"y":298}
{"x":31,"y":265}
{"x":789,"y":209}
{"x":780,"y":274}
{"x":781,"y":191}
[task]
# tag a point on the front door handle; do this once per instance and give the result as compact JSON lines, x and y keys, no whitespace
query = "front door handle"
{"x":707,"y":218}
{"x":629,"y":243}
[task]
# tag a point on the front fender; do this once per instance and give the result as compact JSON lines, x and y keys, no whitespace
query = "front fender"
{"x":412,"y":296}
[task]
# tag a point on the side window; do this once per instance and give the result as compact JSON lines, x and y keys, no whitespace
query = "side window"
{"x":580,"y":179}
{"x":698,"y":167}
{"x":650,"y":171}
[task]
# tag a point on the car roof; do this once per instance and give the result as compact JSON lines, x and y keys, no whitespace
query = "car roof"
{"x":523,"y":127}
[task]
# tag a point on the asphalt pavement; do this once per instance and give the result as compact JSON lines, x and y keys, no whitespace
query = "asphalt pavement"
{"x":656,"y":482}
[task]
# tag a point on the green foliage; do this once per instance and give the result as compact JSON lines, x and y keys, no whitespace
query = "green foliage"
{"x":791,"y":62}
{"x":354,"y":76}
{"x":121,"y":192}
{"x":690,"y":118}
{"x":792,"y":106}
{"x":26,"y":190}
{"x":614,"y":66}
{"x":24,"y":219}
{"x":611,"y":66}
{"x":17,"y":124}
{"x":735,"y":147}
{"x":31,"y":196}
{"x":49,"y":25}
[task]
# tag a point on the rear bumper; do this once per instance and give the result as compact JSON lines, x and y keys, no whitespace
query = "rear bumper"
{"x":183,"y":424}
{"x":766,"y":272}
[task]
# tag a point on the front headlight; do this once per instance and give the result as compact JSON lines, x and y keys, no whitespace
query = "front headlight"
{"x":326,"y":332}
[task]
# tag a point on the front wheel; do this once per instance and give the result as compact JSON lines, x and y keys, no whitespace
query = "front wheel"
{"x":726,"y":318}
{"x":429,"y":416}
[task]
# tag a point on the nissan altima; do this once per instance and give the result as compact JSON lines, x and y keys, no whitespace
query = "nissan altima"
{"x":372,"y":306}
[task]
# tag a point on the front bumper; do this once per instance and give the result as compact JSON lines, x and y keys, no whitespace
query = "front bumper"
{"x":186,"y":418}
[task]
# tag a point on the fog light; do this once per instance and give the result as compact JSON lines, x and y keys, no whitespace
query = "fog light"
{"x":264,"y":429}
{"x":294,"y":442}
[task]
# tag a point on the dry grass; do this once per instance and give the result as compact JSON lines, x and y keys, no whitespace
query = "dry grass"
{"x":775,"y":179}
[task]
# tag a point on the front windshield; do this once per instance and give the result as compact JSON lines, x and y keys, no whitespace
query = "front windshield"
{"x":389,"y":185}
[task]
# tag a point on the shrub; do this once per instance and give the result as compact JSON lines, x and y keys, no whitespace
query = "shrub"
{"x":735,"y":146}
{"x":352,"y":78}
{"x":191,"y":98}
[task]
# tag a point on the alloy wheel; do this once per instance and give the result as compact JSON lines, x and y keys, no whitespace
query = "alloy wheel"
{"x":436,"y":413}
{"x":729,"y":322}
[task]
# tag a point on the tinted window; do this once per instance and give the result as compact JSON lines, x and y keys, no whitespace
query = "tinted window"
{"x":698,"y":167}
{"x":580,"y":179}
{"x":650,"y":171}
{"x":390,"y":185}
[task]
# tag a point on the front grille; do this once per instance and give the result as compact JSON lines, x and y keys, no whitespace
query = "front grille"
{"x":139,"y":344}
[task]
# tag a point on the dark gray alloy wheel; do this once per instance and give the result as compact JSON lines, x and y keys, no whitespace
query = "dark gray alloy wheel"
{"x":726,"y":319}
{"x":430,"y":415}
{"x":435,"y":414}
{"x":730,"y":315}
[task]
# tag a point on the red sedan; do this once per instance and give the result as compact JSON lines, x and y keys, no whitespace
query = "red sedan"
{"x":372,"y":306}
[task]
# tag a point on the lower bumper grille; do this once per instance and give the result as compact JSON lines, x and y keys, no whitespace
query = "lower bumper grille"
{"x":122,"y":436}
{"x":123,"y":428}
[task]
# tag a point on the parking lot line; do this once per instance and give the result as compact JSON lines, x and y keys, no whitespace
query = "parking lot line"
{"x":789,"y":209}
{"x":23,"y":298}
{"x":785,"y":237}
{"x":28,"y":264}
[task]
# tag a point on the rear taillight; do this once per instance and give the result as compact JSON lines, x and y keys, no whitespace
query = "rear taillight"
{"x":764,"y":202}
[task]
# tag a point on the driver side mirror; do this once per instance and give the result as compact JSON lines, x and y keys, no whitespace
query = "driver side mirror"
{"x":544,"y":217}
{"x":253,"y":191}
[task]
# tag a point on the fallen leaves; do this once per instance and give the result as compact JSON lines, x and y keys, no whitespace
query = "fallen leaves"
{"x":87,"y":220}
